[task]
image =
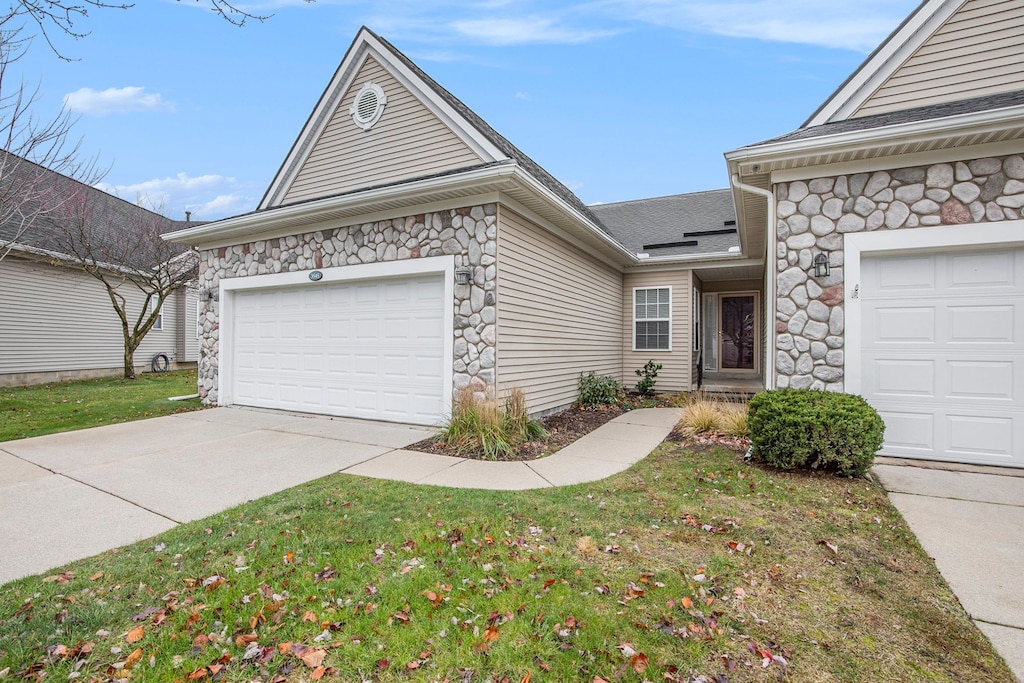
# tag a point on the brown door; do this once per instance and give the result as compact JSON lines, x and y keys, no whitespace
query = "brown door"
{"x":738,"y":331}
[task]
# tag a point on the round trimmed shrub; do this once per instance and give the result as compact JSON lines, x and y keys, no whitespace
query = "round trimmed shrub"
{"x":804,"y":428}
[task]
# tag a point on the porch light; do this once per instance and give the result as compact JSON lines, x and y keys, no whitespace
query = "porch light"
{"x":821,"y":267}
{"x":463,"y":276}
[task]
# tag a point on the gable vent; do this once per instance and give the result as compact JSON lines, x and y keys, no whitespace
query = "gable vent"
{"x":368,"y":106}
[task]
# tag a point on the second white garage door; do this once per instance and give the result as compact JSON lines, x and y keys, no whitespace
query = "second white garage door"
{"x":372,"y":349}
{"x":942,"y":351}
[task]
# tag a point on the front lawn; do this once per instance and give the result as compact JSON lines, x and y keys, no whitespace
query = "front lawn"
{"x":691,"y":564}
{"x":64,"y":406}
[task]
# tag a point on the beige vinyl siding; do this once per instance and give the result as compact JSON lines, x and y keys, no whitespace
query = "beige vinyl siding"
{"x":676,"y":373}
{"x":407,"y":142}
{"x":977,"y":51}
{"x":559,"y":314}
{"x":56,"y":319}
{"x":185,"y":302}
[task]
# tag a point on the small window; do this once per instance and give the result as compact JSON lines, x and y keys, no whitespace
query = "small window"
{"x":199,"y":320}
{"x":159,"y":324}
{"x":368,"y":106}
{"x":652,"y":319}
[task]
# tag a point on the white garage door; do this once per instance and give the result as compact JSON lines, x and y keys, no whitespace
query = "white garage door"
{"x":942,"y":352}
{"x":371,"y":349}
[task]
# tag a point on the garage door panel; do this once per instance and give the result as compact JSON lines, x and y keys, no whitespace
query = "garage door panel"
{"x":944,"y":365}
{"x":368,"y":349}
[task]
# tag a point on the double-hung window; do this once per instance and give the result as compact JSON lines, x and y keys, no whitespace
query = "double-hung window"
{"x":159,"y":324}
{"x":652,"y":319}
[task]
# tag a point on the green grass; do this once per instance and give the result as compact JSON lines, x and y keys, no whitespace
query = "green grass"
{"x":65,"y":406}
{"x":690,"y":564}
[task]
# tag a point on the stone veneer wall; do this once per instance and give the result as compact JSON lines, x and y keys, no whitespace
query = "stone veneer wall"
{"x":813,"y":216}
{"x":469,"y":234}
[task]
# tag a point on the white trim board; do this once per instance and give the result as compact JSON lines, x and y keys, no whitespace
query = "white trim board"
{"x":442,"y":265}
{"x":859,"y":244}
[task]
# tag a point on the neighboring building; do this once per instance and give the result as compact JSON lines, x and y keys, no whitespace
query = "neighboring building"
{"x":405,"y":249}
{"x":56,"y":321}
{"x":908,"y":182}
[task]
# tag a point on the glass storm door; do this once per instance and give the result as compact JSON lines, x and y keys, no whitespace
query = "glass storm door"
{"x":738,"y":319}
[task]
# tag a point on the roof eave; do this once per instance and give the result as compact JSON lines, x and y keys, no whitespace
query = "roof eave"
{"x":764,"y":158}
{"x":290,"y":219}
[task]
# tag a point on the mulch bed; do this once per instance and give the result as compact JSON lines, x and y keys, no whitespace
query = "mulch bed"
{"x":563,"y":428}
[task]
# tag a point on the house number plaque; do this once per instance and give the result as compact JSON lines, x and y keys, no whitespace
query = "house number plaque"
{"x":316,"y":275}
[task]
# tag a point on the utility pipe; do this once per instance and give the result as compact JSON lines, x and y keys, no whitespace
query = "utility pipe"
{"x":769,"y":274}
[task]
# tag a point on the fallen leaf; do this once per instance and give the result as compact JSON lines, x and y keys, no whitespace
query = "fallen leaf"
{"x":491,"y":633}
{"x":197,"y":674}
{"x":639,"y":662}
{"x":136,"y":634}
{"x":317,"y":674}
{"x":313,"y":658}
{"x":831,"y":546}
{"x":687,"y":603}
{"x":96,"y":577}
{"x":526,"y":678}
{"x":309,"y":615}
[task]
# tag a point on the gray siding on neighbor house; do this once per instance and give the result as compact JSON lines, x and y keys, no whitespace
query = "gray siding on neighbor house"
{"x":407,"y":142}
{"x":559,"y":314}
{"x":186,"y":303}
{"x":55,"y":319}
{"x":978,"y":51}
{"x":678,"y":363}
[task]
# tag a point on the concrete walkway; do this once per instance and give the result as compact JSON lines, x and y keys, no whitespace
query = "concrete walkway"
{"x":68,"y":496}
{"x":971,"y":521}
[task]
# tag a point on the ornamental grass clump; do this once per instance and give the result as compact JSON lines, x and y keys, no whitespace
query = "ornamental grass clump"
{"x":478,"y":424}
{"x":703,"y":414}
{"x":804,"y":428}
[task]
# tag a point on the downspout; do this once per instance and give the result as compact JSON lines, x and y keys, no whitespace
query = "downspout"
{"x":769,"y":275}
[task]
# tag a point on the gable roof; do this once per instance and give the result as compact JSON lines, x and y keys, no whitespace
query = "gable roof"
{"x":46,"y":200}
{"x":884,"y":61}
{"x":681,"y":224}
{"x":489,"y":144}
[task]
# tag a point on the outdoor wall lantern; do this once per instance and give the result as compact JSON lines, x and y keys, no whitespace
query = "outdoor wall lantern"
{"x":821,"y":267}
{"x":463,"y":276}
{"x":206,"y":295}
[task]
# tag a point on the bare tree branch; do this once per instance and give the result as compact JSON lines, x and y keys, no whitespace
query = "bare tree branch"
{"x":125,"y":252}
{"x":30,"y":149}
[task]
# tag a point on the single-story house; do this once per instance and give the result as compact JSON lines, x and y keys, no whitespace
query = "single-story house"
{"x":406,"y":249}
{"x":56,"y":321}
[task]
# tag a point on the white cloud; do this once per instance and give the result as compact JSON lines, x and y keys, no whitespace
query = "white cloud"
{"x":115,"y":100}
{"x":208,"y":197}
{"x":851,"y":24}
{"x":524,"y":30}
{"x":522,"y":95}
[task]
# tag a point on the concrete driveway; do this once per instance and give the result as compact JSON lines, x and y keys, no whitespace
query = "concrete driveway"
{"x":71,"y":495}
{"x":971,"y":521}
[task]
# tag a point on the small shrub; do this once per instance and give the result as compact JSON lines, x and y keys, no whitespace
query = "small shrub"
{"x":648,"y":375}
{"x":478,"y":424}
{"x":598,"y":390}
{"x":797,"y":428}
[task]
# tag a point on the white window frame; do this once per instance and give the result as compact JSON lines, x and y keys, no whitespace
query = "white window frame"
{"x":651,"y":320}
{"x":696,"y":321}
{"x":153,"y":306}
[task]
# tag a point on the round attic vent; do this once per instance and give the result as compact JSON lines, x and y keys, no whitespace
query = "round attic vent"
{"x":368,"y":106}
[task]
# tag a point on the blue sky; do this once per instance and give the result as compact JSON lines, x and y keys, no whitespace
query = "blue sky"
{"x":619,"y":99}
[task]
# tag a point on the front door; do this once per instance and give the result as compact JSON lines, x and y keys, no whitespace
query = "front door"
{"x":738,"y":331}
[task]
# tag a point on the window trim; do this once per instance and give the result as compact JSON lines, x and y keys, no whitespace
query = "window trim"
{"x":668,"y":319}
{"x":153,"y":305}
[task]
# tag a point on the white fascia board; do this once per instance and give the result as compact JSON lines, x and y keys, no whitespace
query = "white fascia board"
{"x":250,"y":226}
{"x":540,"y":189}
{"x":884,"y":62}
{"x":916,"y":131}
{"x":366,"y":45}
{"x":436,"y":104}
{"x":703,"y":263}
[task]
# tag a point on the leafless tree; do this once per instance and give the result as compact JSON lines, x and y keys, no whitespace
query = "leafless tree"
{"x":120,"y":245}
{"x":30,"y":148}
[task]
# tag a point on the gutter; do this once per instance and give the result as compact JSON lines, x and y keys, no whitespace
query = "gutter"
{"x":769,"y":276}
{"x":975,"y":122}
